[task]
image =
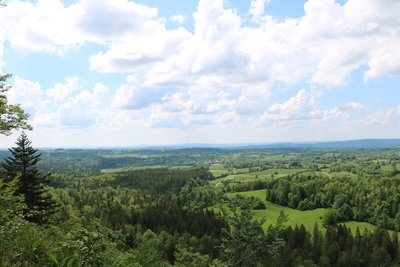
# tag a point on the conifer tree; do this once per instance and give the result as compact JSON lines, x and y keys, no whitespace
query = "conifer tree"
{"x":32,"y":183}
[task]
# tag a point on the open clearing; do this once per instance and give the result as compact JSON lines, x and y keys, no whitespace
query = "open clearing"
{"x":296,"y":217}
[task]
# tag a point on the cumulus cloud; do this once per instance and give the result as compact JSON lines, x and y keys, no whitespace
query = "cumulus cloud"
{"x":322,"y":47}
{"x":221,"y":71}
{"x":132,"y":95}
{"x":28,"y":94}
{"x":385,"y":117}
{"x":45,"y":120}
{"x":298,"y":107}
{"x":257,"y":9}
{"x":113,"y":20}
{"x":61,"y":90}
{"x":73,"y":107}
{"x":83,"y":110}
{"x":46,"y":25}
{"x":304,"y":107}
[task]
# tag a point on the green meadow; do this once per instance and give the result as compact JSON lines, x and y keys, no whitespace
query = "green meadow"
{"x":243,"y":176}
{"x":296,"y":217}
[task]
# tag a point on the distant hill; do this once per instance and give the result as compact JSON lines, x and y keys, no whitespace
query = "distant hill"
{"x":360,"y":143}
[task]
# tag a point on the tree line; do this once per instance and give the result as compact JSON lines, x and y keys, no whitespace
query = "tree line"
{"x":374,"y":200}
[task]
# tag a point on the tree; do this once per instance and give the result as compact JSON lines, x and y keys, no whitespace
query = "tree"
{"x":275,"y":235}
{"x":11,"y":205}
{"x":243,"y":241}
{"x":32,"y":183}
{"x":11,"y":116}
{"x":330,"y":217}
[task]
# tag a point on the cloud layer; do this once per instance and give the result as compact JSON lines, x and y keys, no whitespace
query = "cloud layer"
{"x":227,"y":70}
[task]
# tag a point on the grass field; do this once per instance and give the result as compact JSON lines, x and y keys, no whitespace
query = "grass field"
{"x":253,"y":176}
{"x":218,"y":170}
{"x":296,"y":217}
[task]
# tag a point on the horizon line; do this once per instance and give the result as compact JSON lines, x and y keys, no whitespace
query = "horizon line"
{"x":211,"y":145}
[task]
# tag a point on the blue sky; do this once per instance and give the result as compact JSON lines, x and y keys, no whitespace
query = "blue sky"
{"x":96,"y":73}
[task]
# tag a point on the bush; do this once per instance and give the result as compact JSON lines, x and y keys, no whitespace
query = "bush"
{"x":330,"y":217}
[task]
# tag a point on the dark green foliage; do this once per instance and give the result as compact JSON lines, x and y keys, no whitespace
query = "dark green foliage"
{"x":168,"y":215}
{"x":243,"y":241}
{"x":373,"y":200}
{"x":330,"y":217}
{"x":275,"y":237}
{"x":161,"y":217}
{"x":339,"y":247}
{"x":160,"y":180}
{"x":32,"y":183}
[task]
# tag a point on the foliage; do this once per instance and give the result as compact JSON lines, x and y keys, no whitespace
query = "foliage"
{"x":275,"y":236}
{"x":373,"y":200}
{"x":22,"y":163}
{"x":330,"y":217}
{"x":160,"y":180}
{"x":243,"y":241}
{"x":11,"y":204}
{"x":153,"y":216}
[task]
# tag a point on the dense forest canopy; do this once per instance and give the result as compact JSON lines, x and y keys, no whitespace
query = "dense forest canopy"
{"x":209,"y":207}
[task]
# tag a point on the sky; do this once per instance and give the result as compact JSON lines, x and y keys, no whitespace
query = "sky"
{"x":101,"y":73}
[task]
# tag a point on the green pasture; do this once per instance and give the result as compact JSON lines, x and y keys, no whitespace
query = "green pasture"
{"x":296,"y":217}
{"x":252,"y":176}
{"x":217,"y":170}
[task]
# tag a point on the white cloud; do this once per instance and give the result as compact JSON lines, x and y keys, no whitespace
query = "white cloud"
{"x":72,"y":107}
{"x":257,"y":9}
{"x":110,"y":21}
{"x":28,"y":94}
{"x":223,"y":71}
{"x":352,"y":105}
{"x":226,"y":118}
{"x":132,"y":95}
{"x":304,"y":107}
{"x":385,"y":59}
{"x":302,"y":102}
{"x":322,"y":47}
{"x":45,"y":120}
{"x":61,"y":90}
{"x":387,"y":117}
{"x":128,"y":55}
{"x":83,"y":110}
{"x":44,"y":26}
{"x":179,"y":18}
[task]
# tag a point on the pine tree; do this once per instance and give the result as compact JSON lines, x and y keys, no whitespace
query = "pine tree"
{"x":32,"y":183}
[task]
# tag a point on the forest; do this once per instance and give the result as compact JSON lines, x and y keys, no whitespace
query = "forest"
{"x":199,"y":207}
